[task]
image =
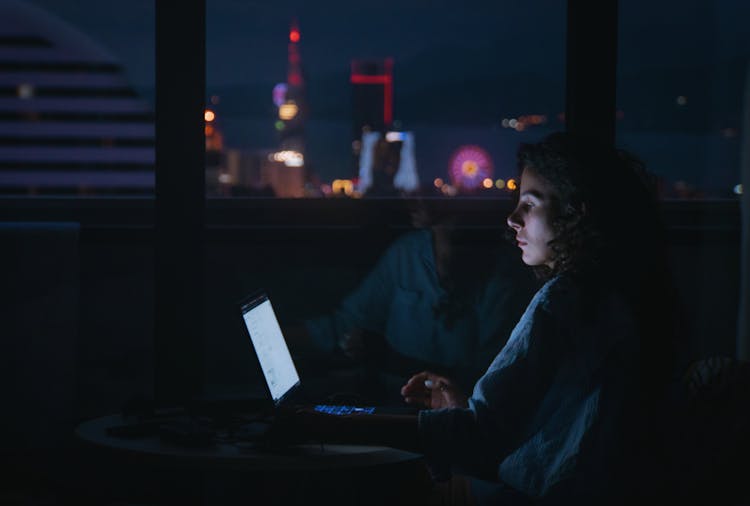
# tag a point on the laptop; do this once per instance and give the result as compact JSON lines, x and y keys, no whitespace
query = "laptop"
{"x":277,"y":365}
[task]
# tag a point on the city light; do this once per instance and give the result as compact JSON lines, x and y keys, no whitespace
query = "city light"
{"x":522,"y":122}
{"x":294,"y":36}
{"x":279,"y":125}
{"x":288,"y":157}
{"x":738,"y":189}
{"x":438,"y":182}
{"x":487,"y":183}
{"x":288,"y":110}
{"x":345,"y":186}
{"x":681,"y":100}
{"x":279,"y":94}
{"x":209,"y":115}
{"x":469,"y":168}
{"x":25,"y":90}
{"x":512,"y":184}
{"x":500,"y":184}
{"x":449,"y":190}
{"x":394,"y":136}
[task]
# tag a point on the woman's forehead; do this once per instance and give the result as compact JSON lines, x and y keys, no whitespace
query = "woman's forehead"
{"x":536,"y":185}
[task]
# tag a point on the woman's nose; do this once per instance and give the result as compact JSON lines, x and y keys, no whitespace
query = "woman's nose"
{"x":513,"y":221}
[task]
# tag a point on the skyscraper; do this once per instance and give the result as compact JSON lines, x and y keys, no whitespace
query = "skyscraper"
{"x":293,"y":109}
{"x":372,"y":95}
{"x":71,"y":122}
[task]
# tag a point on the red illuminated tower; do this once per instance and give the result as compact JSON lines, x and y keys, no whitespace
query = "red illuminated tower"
{"x":372,"y":105}
{"x":372,"y":93}
{"x":293,"y":112}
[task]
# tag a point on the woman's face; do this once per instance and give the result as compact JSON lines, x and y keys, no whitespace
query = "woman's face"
{"x":532,"y":219}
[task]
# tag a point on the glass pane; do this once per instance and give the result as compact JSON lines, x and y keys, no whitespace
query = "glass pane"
{"x":76,"y":97}
{"x":682,"y":75}
{"x":352,"y":99}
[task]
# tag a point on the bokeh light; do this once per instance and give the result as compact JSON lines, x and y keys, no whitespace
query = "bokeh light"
{"x":469,"y":167}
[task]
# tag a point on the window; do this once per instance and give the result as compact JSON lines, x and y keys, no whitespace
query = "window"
{"x":352,"y":99}
{"x":681,"y":80}
{"x":76,"y":98}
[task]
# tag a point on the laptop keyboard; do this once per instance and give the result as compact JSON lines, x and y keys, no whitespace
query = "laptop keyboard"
{"x":344,"y":410}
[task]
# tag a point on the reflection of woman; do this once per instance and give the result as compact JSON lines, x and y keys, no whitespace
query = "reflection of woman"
{"x":433,"y":300}
{"x":385,"y":162}
{"x":569,"y":409}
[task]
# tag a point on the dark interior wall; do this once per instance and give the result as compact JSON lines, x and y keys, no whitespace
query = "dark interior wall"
{"x":706,"y":272}
{"x":115,"y":351}
{"x":40,"y":332}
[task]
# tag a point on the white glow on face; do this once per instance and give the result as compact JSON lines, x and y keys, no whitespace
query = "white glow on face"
{"x":531,"y":220}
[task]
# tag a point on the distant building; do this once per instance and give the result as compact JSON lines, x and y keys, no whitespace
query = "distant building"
{"x":263,"y":172}
{"x":372,"y":96}
{"x":387,"y":164}
{"x":286,"y":181}
{"x":293,"y":109}
{"x":70,"y":121}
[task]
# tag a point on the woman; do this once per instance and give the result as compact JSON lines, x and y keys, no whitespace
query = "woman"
{"x":570,"y":409}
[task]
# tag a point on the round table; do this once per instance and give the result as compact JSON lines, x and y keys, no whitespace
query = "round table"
{"x":230,"y":472}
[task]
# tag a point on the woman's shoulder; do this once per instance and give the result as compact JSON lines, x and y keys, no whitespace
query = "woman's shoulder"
{"x":407,"y":249}
{"x":559,"y":293}
{"x":577,"y":297}
{"x":412,"y":240}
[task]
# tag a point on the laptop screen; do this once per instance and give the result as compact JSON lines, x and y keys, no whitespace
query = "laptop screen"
{"x":270,"y":347}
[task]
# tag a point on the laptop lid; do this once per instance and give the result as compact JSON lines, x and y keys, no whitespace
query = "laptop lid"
{"x":270,"y":347}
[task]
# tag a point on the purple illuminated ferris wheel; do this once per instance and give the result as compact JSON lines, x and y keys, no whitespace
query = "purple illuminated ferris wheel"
{"x":469,"y":166}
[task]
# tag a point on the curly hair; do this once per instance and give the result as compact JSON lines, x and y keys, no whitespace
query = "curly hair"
{"x":609,"y":235}
{"x":604,"y":201}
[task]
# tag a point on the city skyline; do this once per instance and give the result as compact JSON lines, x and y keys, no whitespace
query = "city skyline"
{"x":447,"y":73}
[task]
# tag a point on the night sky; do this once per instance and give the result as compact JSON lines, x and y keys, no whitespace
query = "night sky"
{"x":460,"y":65}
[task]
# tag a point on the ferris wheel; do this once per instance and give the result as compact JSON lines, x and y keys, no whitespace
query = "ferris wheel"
{"x":469,"y":166}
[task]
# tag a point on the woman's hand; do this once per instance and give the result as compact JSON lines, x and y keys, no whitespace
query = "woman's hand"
{"x":433,"y":392}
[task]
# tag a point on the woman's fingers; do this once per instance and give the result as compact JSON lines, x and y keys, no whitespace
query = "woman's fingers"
{"x":415,"y":384}
{"x":415,"y":391}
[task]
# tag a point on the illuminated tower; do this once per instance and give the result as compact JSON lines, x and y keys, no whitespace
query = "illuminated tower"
{"x":285,"y":169}
{"x":372,"y":94}
{"x":372,"y":104}
{"x":293,"y":107}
